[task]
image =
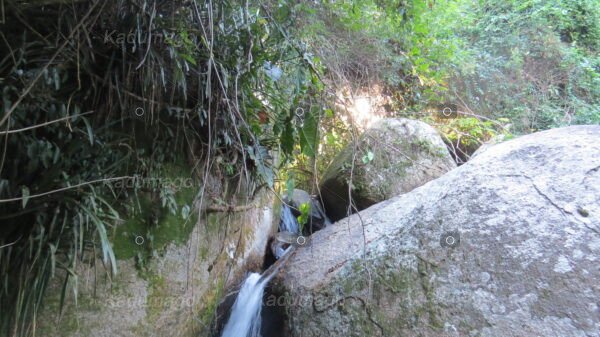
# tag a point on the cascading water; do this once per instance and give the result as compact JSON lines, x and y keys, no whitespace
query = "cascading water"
{"x":288,"y":223}
{"x":288,"y":230}
{"x":245,"y":315}
{"x":245,"y":319}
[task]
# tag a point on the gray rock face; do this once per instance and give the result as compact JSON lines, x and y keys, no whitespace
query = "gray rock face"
{"x":392,"y":157}
{"x":528,"y":261}
{"x":177,"y":292}
{"x":298,"y":197}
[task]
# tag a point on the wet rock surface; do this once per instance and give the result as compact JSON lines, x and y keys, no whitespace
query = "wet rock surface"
{"x":317,"y":219}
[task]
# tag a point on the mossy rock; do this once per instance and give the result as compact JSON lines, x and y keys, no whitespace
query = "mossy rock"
{"x":392,"y":157}
{"x":170,"y":285}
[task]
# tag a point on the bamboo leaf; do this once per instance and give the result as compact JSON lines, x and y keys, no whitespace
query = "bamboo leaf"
{"x":107,"y":251}
{"x":89,"y":130}
{"x":24,"y":195}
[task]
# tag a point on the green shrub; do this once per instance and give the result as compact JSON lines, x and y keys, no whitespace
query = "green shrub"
{"x":535,"y":62}
{"x":146,"y":86}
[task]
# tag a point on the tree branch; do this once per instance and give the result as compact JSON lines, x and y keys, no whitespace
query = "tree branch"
{"x":43,"y":124}
{"x":229,"y":208}
{"x":64,"y":189}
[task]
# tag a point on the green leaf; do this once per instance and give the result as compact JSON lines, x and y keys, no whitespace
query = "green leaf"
{"x":331,"y":138}
{"x":260,"y":156}
{"x":287,"y":139}
{"x":24,"y":195}
{"x":107,"y":251}
{"x":52,"y":259}
{"x":185,"y":212}
{"x":89,"y":130}
{"x":304,"y":214}
{"x":368,"y":157}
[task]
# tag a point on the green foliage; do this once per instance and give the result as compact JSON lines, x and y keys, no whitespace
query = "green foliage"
{"x":304,"y":215}
{"x":535,"y":62}
{"x":402,"y":44}
{"x":464,"y":135}
{"x":143,"y":88}
{"x":368,"y":157}
{"x":469,"y":131}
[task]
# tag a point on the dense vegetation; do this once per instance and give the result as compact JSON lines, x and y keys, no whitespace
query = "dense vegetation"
{"x":472,"y":68}
{"x":98,"y":93}
{"x":103,"y":101}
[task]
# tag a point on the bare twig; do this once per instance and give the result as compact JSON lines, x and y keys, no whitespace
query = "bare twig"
{"x":43,"y":124}
{"x":10,"y":244}
{"x":65,"y":189}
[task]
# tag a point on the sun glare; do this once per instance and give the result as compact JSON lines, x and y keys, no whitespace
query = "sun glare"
{"x":362,"y":112}
{"x":362,"y":108}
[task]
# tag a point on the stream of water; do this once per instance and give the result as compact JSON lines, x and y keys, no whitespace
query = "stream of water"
{"x":245,"y":314}
{"x":288,"y":223}
{"x":245,"y":318}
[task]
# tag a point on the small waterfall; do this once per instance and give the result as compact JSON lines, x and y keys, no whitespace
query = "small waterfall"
{"x":245,"y":320}
{"x":245,"y":314}
{"x":288,"y":223}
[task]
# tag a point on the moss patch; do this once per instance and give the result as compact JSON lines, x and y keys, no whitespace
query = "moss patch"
{"x":157,"y":296}
{"x":153,"y":224}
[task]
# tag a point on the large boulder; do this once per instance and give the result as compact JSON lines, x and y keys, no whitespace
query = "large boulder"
{"x":174,"y":293}
{"x":527,"y":262}
{"x":392,"y":157}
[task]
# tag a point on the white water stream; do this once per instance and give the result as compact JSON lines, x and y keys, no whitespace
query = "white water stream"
{"x":245,"y":320}
{"x":288,"y":223}
{"x":245,"y":314}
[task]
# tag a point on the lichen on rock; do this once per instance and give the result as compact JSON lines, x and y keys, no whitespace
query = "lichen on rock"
{"x":526,"y":264}
{"x":392,"y":157}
